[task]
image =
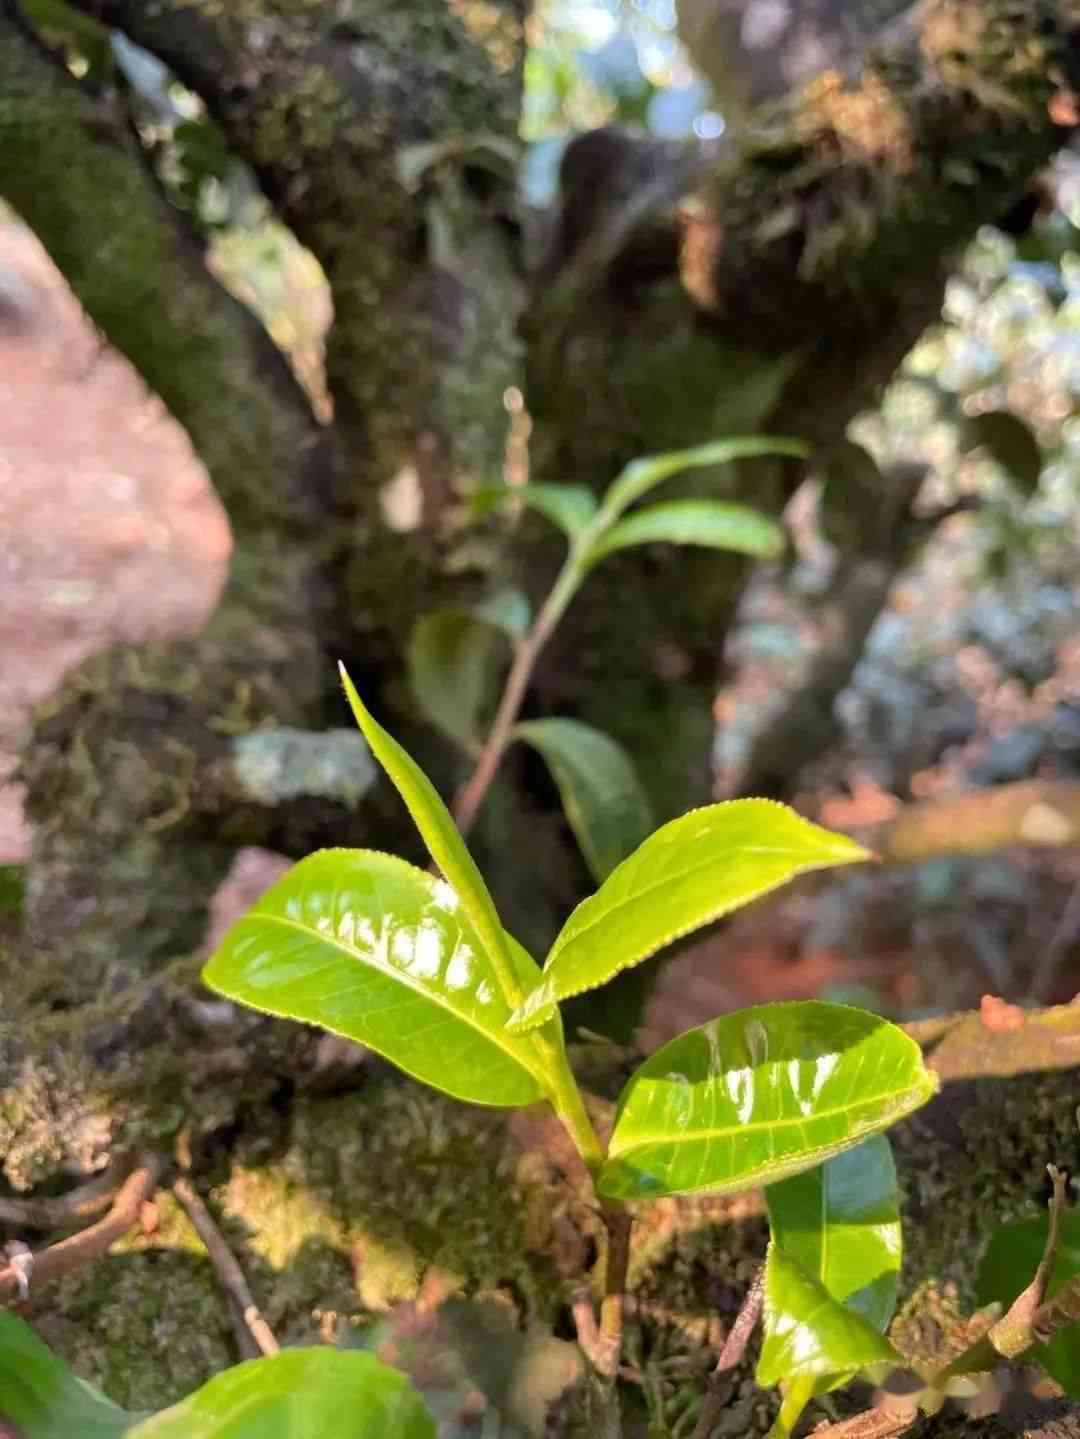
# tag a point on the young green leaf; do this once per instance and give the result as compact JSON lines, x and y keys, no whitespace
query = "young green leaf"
{"x":808,"y":1333}
{"x":600,"y":791}
{"x":690,"y":872}
{"x":570,"y":507}
{"x":369,"y":947}
{"x":319,"y":1393}
{"x":759,"y":1095}
{"x":641,"y":476}
{"x":1009,"y":1265}
{"x":451,"y":662}
{"x":840,"y":1221}
{"x":40,"y":1394}
{"x":440,"y":834}
{"x":710,"y":523}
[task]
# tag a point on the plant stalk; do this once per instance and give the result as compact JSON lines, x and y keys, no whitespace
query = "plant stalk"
{"x":471,"y":795}
{"x":618,"y":1222}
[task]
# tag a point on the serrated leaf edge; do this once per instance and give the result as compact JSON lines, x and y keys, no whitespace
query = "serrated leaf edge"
{"x":526,"y":1017}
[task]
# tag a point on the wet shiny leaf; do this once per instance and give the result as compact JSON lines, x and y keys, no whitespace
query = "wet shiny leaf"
{"x":641,"y":476}
{"x":600,"y":791}
{"x":40,"y":1394}
{"x":709,"y":523}
{"x":1008,"y":1267}
{"x":808,"y":1333}
{"x":369,"y":947}
{"x":299,"y":1394}
{"x":440,"y":834}
{"x":690,"y":872}
{"x":840,"y":1221}
{"x":759,"y":1095}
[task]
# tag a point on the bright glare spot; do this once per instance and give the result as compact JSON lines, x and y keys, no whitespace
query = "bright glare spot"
{"x":709,"y":125}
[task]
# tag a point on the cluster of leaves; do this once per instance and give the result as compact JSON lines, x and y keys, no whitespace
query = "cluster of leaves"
{"x":454,"y":654}
{"x":420,"y":969}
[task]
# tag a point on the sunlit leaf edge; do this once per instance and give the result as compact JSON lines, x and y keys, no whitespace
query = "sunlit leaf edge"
{"x":540,"y":1073}
{"x":538,"y":1006}
{"x":907,"y":1102}
{"x":880,"y":1350}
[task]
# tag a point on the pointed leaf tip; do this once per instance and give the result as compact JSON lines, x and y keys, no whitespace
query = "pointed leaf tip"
{"x":688,"y":873}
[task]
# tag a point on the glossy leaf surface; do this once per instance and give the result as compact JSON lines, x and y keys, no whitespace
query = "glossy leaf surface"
{"x":319,"y":1393}
{"x":1008,"y":1267}
{"x":40,"y":1394}
{"x":451,"y":670}
{"x":759,"y":1095}
{"x":640,"y":476}
{"x":369,"y":947}
{"x":709,"y":523}
{"x":600,"y":791}
{"x":691,"y":871}
{"x":808,"y":1333}
{"x":440,"y":834}
{"x":840,"y":1222}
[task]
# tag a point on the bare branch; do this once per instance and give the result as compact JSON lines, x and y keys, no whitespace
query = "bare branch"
{"x":91,"y":1243}
{"x":253,"y":1332}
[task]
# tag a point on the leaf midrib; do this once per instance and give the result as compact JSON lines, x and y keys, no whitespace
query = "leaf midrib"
{"x":407,"y":982}
{"x":752,"y":1127}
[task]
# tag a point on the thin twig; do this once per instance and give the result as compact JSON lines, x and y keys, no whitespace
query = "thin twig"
{"x":733,"y":1350}
{"x":253,"y":1332}
{"x":882,"y":1422}
{"x":91,"y":1243}
{"x":64,"y":1209}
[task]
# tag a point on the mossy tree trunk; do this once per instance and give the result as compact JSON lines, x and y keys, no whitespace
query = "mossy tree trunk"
{"x":815,"y":258}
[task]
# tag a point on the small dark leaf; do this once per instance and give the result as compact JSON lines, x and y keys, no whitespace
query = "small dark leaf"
{"x":1012,"y":445}
{"x":601,"y":793}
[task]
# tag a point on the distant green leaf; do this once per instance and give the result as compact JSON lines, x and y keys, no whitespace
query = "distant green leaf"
{"x":569,"y":507}
{"x":1008,"y":1267}
{"x":440,"y":834}
{"x":319,"y":1393}
{"x":40,"y":1394}
{"x":1012,"y":445}
{"x":451,"y":661}
{"x":710,"y":523}
{"x":808,"y":1333}
{"x":601,"y":793}
{"x":507,"y":610}
{"x":840,"y":1221}
{"x":12,"y":888}
{"x":690,"y":872}
{"x":757,"y":1096}
{"x":367,"y":946}
{"x":640,"y":476}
